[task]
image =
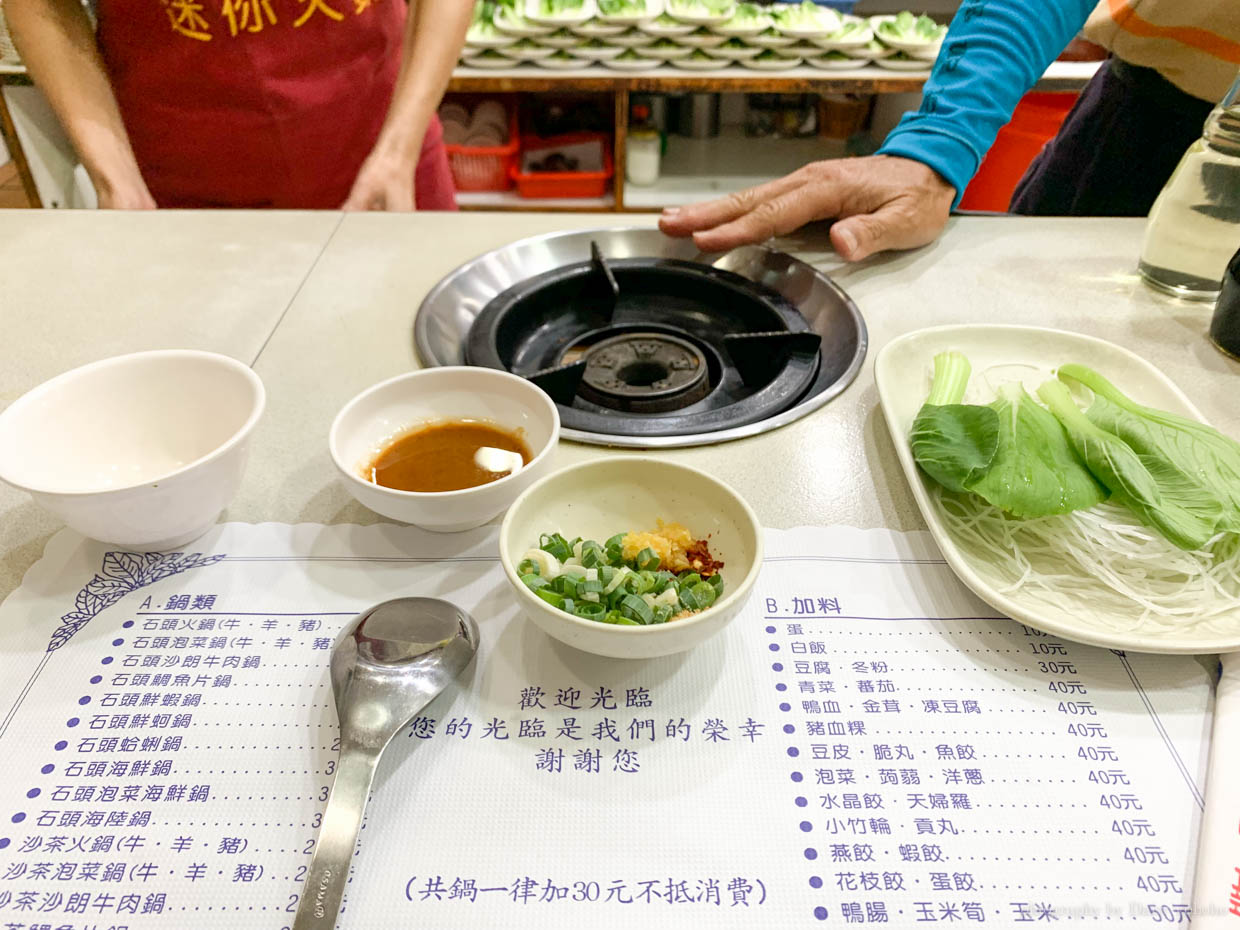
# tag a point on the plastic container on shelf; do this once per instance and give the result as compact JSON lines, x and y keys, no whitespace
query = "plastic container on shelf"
{"x":642,"y":156}
{"x":487,"y":167}
{"x":568,"y":184}
{"x":1034,"y":122}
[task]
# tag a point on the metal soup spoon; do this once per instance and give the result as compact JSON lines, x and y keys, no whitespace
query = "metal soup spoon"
{"x":388,"y":665}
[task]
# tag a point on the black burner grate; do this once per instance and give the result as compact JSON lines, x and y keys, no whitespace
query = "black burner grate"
{"x":650,"y":347}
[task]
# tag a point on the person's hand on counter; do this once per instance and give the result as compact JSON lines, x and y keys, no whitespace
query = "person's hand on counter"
{"x":384,"y":182}
{"x":878,"y":202}
{"x":125,"y":197}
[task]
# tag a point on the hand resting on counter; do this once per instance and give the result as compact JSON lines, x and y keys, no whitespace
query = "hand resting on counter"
{"x":878,"y":202}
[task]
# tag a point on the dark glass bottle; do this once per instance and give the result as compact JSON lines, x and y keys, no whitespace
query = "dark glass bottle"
{"x":1225,"y":327}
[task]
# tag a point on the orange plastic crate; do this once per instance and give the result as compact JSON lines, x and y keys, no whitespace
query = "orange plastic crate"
{"x":547,"y":184}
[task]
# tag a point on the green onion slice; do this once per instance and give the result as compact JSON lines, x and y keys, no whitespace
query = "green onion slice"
{"x":635,"y":608}
{"x":556,"y":544}
{"x":588,"y":611}
{"x":648,"y":560}
{"x":533,"y":581}
{"x":555,"y":600}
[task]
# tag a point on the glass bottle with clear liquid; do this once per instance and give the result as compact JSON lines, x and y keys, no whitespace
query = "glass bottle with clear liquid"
{"x":1194,"y":225}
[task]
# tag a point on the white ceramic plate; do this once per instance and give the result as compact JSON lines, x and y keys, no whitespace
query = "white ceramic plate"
{"x":631,"y":39}
{"x":492,"y":62}
{"x":518,"y":26}
{"x":700,"y":64}
{"x":596,"y":30}
{"x":770,"y":40}
{"x":872,"y":51}
{"x":1029,"y":354}
{"x":733,"y":52}
{"x":702,"y":19}
{"x":929,"y":53}
{"x":772,"y":64}
{"x":598,"y":52}
{"x":652,"y":10}
{"x":910,"y":45}
{"x":482,"y":43}
{"x":701,"y":39}
{"x":902,"y":64}
{"x":743,"y":32}
{"x":662,"y":29}
{"x":560,"y":39}
{"x":844,"y":45}
{"x":533,"y":12}
{"x":556,"y":63}
{"x":800,"y":50}
{"x":836,"y":64}
{"x":667,"y":52}
{"x":525,"y":51}
{"x":632,"y":64}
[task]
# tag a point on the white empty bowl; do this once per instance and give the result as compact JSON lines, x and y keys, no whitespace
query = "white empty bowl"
{"x":142,"y":450}
{"x":371,"y":420}
{"x":596,"y":500}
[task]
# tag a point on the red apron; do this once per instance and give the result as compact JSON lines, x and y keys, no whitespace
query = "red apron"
{"x":259,"y":103}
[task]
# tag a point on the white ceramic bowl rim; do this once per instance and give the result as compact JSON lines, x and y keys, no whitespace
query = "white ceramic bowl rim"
{"x":734,"y":587}
{"x":238,"y":367}
{"x":351,"y":474}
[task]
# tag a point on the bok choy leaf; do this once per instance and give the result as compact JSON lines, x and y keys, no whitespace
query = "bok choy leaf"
{"x":1199,"y":453}
{"x":1153,"y":488}
{"x":1012,"y":452}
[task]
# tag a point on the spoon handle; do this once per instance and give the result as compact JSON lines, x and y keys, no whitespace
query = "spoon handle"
{"x":342,"y":820}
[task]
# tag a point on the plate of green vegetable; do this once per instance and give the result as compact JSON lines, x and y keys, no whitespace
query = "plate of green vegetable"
{"x":629,"y":12}
{"x":593,"y":29}
{"x":1070,"y":484}
{"x":748,"y":20}
{"x":482,"y":33}
{"x":702,"y":12}
{"x":909,"y":32}
{"x":835,"y":61}
{"x":510,"y":22}
{"x":665,"y":27}
{"x":854,"y":33}
{"x":559,"y":12}
{"x":903,"y":61}
{"x":806,"y":20}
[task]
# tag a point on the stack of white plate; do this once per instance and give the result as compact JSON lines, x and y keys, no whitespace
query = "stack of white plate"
{"x":485,"y":127}
{"x":699,"y":35}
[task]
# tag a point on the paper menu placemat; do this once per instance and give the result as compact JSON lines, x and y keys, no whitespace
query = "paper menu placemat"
{"x":863,"y":743}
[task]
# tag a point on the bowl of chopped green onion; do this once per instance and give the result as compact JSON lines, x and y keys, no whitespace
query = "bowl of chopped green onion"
{"x":631,"y":557}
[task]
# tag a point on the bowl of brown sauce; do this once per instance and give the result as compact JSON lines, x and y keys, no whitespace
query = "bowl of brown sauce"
{"x":446,"y":449}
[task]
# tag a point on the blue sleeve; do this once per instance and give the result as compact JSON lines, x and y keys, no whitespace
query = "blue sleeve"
{"x":994,"y":52}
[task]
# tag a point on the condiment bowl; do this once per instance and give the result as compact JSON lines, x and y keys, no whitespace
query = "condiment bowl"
{"x":141,"y":450}
{"x":372,"y":419}
{"x":600,"y":498}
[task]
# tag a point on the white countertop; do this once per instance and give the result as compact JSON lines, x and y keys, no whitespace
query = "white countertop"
{"x":322,"y":305}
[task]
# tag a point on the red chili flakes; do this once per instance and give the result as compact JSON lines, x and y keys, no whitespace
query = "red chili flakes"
{"x":700,"y":559}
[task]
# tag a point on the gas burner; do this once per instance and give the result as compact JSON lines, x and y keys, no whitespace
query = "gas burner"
{"x":643,"y":372}
{"x":642,"y":342}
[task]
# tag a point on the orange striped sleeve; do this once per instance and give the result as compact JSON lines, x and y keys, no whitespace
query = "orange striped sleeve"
{"x":1127,"y":19}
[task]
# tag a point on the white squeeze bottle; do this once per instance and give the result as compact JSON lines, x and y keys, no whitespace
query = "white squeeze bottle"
{"x":1194,"y":225}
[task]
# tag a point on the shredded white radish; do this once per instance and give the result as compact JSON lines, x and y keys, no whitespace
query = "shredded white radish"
{"x":1103,"y":562}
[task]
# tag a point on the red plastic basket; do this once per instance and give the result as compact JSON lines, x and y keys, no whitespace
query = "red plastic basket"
{"x":547,"y":184}
{"x":485,"y":167}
